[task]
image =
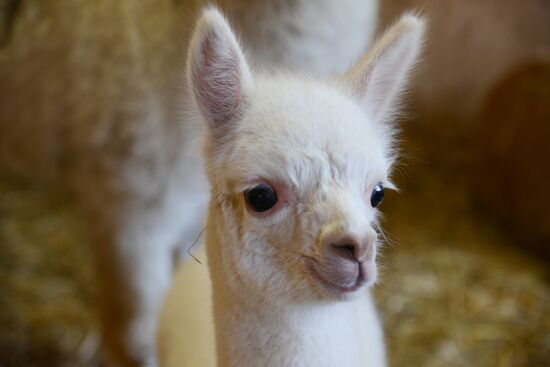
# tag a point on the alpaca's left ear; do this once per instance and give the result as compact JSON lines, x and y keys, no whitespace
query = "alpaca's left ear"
{"x":379,"y":76}
{"x":217,"y":72}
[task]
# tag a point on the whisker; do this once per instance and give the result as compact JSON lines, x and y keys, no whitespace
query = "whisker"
{"x":193,"y":245}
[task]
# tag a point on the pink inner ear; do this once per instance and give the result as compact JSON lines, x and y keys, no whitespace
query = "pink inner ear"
{"x":216,"y":81}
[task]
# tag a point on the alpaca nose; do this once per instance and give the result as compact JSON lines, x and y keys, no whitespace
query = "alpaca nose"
{"x":346,"y":258}
{"x":350,"y":248}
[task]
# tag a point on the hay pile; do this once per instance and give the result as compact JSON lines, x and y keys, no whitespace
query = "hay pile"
{"x":471,"y":301}
{"x":453,"y":292}
{"x":47,"y":289}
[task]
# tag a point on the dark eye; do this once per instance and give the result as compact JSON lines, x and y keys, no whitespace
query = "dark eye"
{"x":377,"y":195}
{"x":261,"y":198}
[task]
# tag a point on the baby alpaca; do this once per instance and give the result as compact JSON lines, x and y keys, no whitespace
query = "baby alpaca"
{"x":297,"y":168}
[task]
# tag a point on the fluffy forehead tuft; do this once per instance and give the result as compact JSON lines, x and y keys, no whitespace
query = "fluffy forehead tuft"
{"x":298,"y":130}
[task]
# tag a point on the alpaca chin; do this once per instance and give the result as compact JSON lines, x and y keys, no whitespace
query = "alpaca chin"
{"x":341,"y":287}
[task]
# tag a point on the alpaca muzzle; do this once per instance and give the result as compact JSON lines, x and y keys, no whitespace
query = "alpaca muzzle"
{"x":345,"y":262}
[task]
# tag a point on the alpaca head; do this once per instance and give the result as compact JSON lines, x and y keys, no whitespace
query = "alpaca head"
{"x":297,"y":167}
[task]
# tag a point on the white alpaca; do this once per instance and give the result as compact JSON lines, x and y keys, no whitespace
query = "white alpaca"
{"x":297,"y":168}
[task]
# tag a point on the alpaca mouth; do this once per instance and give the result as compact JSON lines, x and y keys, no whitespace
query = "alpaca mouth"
{"x":332,"y":287}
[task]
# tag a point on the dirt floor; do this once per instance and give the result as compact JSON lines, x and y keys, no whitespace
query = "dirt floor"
{"x":454,"y":291}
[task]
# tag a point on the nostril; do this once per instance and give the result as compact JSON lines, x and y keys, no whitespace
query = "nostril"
{"x":349,"y":248}
{"x":346,"y":250}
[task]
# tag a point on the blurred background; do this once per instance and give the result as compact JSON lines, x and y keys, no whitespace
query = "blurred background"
{"x":465,"y":272}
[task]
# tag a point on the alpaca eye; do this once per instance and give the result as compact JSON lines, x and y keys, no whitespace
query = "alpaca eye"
{"x":261,"y":198}
{"x":377,"y":195}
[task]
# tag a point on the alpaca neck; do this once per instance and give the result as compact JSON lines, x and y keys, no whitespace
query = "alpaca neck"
{"x":249,"y":333}
{"x":305,"y":335}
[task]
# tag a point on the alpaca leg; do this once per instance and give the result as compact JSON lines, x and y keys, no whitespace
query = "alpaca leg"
{"x":136,"y":253}
{"x":134,"y":267}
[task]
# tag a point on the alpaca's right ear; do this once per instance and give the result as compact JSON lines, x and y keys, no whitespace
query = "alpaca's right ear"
{"x":379,"y":76}
{"x":217,"y":72}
